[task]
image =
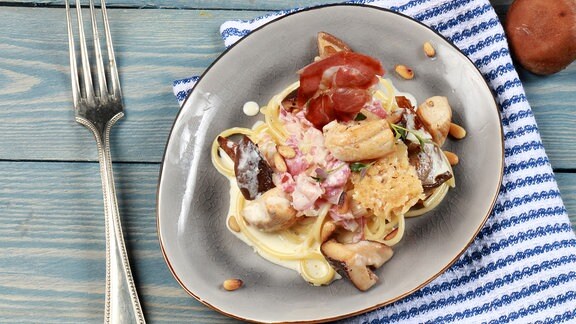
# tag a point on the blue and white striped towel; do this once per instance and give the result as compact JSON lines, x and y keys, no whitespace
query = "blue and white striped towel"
{"x":522,"y":265}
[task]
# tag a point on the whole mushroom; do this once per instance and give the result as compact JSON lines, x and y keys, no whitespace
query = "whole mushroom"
{"x":542,"y":34}
{"x":436,"y":114}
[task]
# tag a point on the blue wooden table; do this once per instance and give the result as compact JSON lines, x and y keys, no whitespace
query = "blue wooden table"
{"x":51,"y":212}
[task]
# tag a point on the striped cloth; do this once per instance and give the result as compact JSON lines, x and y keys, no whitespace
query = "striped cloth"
{"x":522,"y":265}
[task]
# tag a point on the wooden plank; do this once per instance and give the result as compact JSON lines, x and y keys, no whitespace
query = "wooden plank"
{"x":155,"y":47}
{"x":52,"y":243}
{"x":51,"y":235}
{"x":189,"y":4}
{"x":567,"y":185}
{"x":499,"y":5}
{"x":553,"y":100}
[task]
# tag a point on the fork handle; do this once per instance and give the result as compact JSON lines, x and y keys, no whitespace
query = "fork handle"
{"x":121,"y":302}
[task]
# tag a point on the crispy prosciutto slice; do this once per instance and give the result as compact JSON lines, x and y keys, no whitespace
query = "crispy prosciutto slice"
{"x":329,"y":45}
{"x":403,"y":102}
{"x":337,"y":87}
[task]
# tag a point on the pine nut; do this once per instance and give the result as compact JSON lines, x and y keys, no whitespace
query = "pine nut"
{"x":429,"y":50}
{"x":286,"y":151}
{"x":404,"y":71}
{"x":233,"y":224}
{"x":452,"y":158}
{"x":232,"y":284}
{"x":457,"y":131}
{"x":279,"y":163}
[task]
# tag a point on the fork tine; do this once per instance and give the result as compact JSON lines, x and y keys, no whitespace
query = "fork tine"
{"x":117,"y":92}
{"x":89,"y":87}
{"x":97,"y":51}
{"x":73,"y":65}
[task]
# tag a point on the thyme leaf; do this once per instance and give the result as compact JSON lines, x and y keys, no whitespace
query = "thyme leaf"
{"x":322,"y":174}
{"x":359,"y":166}
{"x":402,"y":132}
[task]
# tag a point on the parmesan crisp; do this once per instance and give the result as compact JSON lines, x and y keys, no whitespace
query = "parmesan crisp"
{"x":390,"y":186}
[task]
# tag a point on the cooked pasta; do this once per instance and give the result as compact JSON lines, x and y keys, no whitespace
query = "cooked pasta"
{"x":304,"y":247}
{"x":331,"y":175}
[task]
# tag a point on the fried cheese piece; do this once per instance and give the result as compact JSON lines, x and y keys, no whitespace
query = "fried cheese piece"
{"x":389,"y":186}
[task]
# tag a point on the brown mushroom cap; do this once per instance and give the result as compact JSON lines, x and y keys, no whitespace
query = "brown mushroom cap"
{"x":542,"y":34}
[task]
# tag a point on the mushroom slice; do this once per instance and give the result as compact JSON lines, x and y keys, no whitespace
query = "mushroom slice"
{"x":430,"y":165}
{"x":357,"y":260}
{"x":329,"y":44}
{"x":228,"y":146}
{"x":253,"y":173}
{"x":436,"y":115}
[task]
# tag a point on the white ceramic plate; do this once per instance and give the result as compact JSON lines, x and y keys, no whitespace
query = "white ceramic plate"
{"x":193,"y":197}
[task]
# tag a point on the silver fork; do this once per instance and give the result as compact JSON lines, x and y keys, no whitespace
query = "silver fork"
{"x":99,"y":109}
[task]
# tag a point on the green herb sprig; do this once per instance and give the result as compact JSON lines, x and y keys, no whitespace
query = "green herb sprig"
{"x":322,"y":174}
{"x":402,"y":132}
{"x":361,"y":167}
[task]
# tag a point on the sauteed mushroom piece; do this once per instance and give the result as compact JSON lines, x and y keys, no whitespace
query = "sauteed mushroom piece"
{"x":253,"y":173}
{"x":436,"y":115}
{"x":357,"y":260}
{"x":430,"y":165}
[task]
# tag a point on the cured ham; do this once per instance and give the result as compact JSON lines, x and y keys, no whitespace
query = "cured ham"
{"x":337,"y":87}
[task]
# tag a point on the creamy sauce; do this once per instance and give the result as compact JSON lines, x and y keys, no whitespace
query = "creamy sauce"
{"x":274,"y":246}
{"x":274,"y":241}
{"x":251,"y":108}
{"x":264,"y":242}
{"x":248,"y":161}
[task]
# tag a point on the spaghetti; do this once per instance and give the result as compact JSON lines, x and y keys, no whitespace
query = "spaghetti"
{"x":328,"y":194}
{"x":298,"y":249}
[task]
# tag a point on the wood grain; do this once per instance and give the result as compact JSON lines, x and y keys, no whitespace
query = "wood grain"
{"x":155,"y":47}
{"x":189,"y":4}
{"x":52,"y":243}
{"x":51,"y":212}
{"x":552,"y":100}
{"x":499,"y":5}
{"x":567,"y":184}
